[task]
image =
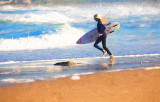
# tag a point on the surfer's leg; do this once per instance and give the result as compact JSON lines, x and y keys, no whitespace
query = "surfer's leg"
{"x":97,"y":42}
{"x":104,"y":45}
{"x":111,"y":59}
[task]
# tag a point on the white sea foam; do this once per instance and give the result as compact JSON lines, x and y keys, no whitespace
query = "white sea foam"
{"x":12,"y":80}
{"x":5,"y":73}
{"x":9,"y":62}
{"x":75,"y":77}
{"x":65,"y":36}
{"x":150,"y":68}
{"x":140,"y":55}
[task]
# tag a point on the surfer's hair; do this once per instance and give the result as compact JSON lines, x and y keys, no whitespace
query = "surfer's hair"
{"x":97,"y":17}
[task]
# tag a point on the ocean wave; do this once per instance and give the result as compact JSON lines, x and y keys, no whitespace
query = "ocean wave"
{"x":65,"y":14}
{"x":66,"y":35}
{"x":38,"y":17}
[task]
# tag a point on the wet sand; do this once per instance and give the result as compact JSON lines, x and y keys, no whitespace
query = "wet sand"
{"x":122,"y":86}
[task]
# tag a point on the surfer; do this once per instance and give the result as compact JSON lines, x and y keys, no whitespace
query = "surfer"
{"x":102,"y":37}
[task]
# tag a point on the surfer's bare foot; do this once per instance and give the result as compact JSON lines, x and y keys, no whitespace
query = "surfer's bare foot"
{"x":104,"y":52}
{"x":111,"y":59}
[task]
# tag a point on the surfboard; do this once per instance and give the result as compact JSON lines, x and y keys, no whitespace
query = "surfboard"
{"x":92,"y":35}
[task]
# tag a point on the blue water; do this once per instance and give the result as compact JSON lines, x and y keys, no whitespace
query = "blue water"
{"x":48,"y":33}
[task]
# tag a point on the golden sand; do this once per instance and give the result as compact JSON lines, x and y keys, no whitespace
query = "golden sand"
{"x":122,"y":86}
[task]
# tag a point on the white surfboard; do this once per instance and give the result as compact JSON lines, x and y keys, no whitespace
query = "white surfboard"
{"x":92,"y":35}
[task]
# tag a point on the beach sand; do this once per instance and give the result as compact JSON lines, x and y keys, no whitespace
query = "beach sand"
{"x":121,"y":86}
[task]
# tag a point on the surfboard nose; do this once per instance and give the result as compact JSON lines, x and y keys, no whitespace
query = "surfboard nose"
{"x":79,"y":41}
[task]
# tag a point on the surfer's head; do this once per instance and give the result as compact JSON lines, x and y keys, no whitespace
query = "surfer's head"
{"x":97,"y":17}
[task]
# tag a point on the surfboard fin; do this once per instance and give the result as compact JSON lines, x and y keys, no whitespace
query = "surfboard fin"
{"x":119,"y":29}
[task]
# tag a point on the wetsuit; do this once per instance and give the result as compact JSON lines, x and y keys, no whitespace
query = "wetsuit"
{"x":101,"y":29}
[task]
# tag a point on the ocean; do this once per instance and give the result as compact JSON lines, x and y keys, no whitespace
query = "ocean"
{"x":34,"y":37}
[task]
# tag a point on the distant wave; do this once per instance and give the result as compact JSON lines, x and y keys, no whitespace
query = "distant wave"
{"x":65,"y":14}
{"x":87,"y":1}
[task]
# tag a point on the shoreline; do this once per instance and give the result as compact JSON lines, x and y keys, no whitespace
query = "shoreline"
{"x":140,"y":85}
{"x":103,"y":68}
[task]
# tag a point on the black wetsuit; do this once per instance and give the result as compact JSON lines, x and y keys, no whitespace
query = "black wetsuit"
{"x":101,"y":29}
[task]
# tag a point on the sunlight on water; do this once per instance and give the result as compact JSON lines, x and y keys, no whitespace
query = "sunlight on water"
{"x":34,"y":37}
